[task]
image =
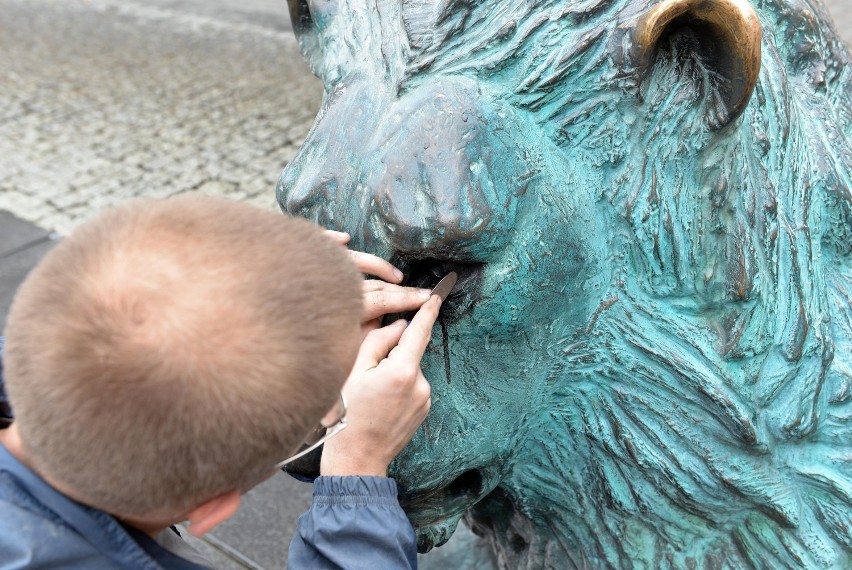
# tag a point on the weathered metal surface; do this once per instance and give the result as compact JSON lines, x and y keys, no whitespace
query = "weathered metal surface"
{"x":647,"y":359}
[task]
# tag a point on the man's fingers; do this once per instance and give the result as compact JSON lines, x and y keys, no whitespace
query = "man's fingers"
{"x":380,"y":303}
{"x":373,"y":265}
{"x":416,"y":336}
{"x":340,"y":237}
{"x":423,"y":394}
{"x":369,"y":326}
{"x":422,"y":387}
{"x":366,"y":262}
{"x":377,"y":344}
{"x":371,"y":285}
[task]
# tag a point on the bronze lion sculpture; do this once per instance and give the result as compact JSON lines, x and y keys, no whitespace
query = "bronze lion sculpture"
{"x":648,"y":360}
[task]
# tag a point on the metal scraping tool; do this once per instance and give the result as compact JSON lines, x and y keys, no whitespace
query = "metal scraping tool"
{"x":445,"y":285}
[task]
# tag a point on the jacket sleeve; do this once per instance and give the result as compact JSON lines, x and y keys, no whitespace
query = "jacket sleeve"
{"x":353,"y":523}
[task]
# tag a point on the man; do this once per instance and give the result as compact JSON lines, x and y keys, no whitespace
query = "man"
{"x":169,"y":355}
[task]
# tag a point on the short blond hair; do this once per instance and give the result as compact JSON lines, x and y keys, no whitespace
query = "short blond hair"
{"x":171,"y":351}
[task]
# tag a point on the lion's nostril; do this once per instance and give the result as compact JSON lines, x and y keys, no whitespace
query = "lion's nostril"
{"x":426,"y":273}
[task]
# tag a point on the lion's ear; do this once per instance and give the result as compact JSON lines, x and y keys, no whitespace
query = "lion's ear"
{"x":729,"y":35}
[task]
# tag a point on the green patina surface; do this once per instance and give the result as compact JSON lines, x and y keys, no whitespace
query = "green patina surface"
{"x":648,"y":362}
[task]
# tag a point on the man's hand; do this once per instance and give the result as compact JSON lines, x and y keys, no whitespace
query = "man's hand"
{"x":388,"y":397}
{"x":382,"y":296}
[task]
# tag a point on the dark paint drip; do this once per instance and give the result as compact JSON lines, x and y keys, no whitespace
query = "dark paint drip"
{"x":446,"y":339}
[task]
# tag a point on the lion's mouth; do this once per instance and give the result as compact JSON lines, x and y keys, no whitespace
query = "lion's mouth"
{"x":426,"y":273}
{"x":436,"y":512}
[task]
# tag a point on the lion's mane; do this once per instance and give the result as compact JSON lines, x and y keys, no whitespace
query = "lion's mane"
{"x":710,"y":402}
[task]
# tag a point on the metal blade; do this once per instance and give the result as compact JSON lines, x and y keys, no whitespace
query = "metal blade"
{"x":445,"y":285}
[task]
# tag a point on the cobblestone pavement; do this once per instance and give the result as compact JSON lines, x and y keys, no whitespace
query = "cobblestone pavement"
{"x":105,"y":100}
{"x":267,"y":13}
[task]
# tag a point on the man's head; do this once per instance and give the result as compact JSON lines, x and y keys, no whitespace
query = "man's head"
{"x":172,"y":351}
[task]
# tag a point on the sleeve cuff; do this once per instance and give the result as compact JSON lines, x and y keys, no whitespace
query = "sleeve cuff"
{"x":354,"y":490}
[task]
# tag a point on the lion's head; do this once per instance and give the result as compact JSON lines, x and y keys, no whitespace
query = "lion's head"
{"x":647,"y":359}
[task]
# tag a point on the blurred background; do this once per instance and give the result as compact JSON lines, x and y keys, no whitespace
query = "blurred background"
{"x":105,"y":100}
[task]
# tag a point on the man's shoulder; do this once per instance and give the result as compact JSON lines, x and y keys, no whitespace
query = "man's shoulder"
{"x":29,"y":536}
{"x":21,"y":513}
{"x":31,"y":533}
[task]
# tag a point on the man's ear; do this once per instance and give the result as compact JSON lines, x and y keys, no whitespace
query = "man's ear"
{"x":203,"y":518}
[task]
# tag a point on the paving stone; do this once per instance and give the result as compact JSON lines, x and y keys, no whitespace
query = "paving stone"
{"x":22,"y":245}
{"x":263,"y":526}
{"x":16,"y":233}
{"x":218,"y":558}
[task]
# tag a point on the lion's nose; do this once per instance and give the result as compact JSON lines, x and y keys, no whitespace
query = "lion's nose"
{"x":295,"y":197}
{"x":439,"y":215}
{"x":310,"y":181}
{"x":324,"y":181}
{"x":422,"y":175}
{"x":449,"y":185}
{"x":302,"y":195}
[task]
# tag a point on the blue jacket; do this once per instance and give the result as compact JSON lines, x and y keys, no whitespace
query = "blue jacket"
{"x":354,"y":522}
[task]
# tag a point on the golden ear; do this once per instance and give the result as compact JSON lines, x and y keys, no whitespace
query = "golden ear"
{"x":734,"y":30}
